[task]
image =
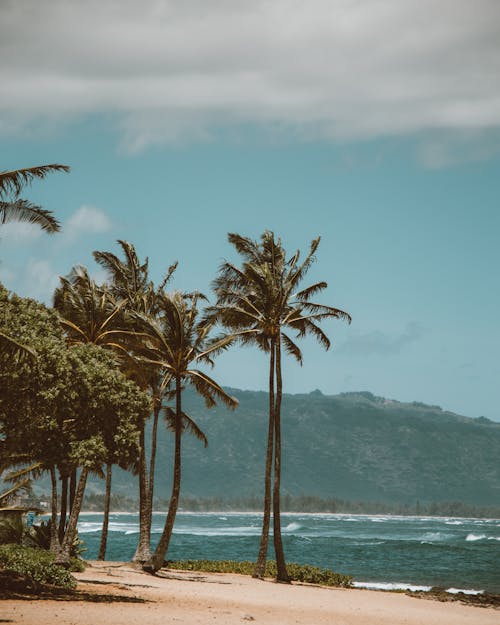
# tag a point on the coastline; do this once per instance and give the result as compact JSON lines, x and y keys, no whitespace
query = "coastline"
{"x":192,"y":597}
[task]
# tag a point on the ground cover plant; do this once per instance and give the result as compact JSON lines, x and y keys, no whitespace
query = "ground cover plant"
{"x":35,"y":564}
{"x":297,"y":572}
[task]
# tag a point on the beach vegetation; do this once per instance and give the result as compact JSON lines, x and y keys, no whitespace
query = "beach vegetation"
{"x":61,"y":409}
{"x":37,"y":565}
{"x":297,"y":572}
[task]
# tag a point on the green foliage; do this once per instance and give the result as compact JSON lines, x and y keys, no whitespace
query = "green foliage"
{"x":298,"y":572}
{"x":38,"y":536}
{"x":11,"y":530}
{"x":37,"y":564}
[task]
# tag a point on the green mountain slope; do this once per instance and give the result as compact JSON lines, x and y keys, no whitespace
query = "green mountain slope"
{"x":352,"y":446}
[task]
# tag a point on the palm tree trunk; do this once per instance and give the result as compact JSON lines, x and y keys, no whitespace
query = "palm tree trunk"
{"x":72,"y":489}
{"x":64,"y":506}
{"x":105,"y":521}
{"x":162,"y":547}
{"x":152,"y":459}
{"x":143,"y":551}
{"x":69,"y":536}
{"x":278,"y":544}
{"x":54,"y":539}
{"x":260,"y":565}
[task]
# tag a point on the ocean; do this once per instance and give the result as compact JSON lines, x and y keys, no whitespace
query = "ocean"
{"x":387,"y":552}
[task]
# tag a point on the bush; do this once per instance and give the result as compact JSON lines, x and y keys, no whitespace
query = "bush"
{"x":298,"y":572}
{"x":37,"y":564}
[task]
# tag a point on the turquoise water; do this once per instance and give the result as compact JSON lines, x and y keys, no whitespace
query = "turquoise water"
{"x":380,"y":550}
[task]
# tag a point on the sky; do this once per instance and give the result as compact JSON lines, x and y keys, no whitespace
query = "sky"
{"x":372,"y":123}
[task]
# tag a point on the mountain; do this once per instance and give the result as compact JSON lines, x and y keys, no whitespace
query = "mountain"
{"x":352,"y":446}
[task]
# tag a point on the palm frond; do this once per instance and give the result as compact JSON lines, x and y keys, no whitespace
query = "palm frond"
{"x":291,"y":348}
{"x":14,"y":181}
{"x":24,"y":211}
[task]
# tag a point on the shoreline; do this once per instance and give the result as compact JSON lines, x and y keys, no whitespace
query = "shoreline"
{"x":191,"y":597}
{"x":321,"y":514}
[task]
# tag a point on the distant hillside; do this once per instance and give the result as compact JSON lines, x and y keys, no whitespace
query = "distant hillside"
{"x":352,"y":446}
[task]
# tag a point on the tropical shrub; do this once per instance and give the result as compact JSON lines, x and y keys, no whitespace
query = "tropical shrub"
{"x":36,"y":564}
{"x":298,"y":572}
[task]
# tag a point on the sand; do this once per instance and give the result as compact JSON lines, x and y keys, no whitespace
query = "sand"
{"x":188,"y":598}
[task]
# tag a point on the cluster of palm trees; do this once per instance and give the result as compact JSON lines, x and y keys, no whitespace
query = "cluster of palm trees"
{"x":164,"y":341}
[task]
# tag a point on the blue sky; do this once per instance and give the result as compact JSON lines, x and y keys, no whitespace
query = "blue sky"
{"x":372,"y":124}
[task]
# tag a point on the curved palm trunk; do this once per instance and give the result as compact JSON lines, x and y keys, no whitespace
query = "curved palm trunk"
{"x":64,"y":506}
{"x":54,"y":539}
{"x":260,"y":565}
{"x":69,"y":537}
{"x":143,"y":551}
{"x":278,"y":544}
{"x":162,"y":547}
{"x":105,"y":521}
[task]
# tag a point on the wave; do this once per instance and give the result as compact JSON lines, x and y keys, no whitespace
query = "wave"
{"x":390,"y":586}
{"x":453,"y":523}
{"x":474,"y":537}
{"x":411,"y":587}
{"x":292,"y":527}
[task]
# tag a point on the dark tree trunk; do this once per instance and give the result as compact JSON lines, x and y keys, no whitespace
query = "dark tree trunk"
{"x":105,"y":521}
{"x":54,"y":539}
{"x":278,"y":544}
{"x":64,"y":506}
{"x":152,"y":460}
{"x":70,"y":534}
{"x":143,"y":551}
{"x":162,"y":547}
{"x":260,"y":565}
{"x":72,"y":489}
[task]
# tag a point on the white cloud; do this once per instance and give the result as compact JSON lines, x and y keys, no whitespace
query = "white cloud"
{"x":381,"y":343}
{"x":20,"y":232}
{"x":182,"y":69}
{"x":86,"y":220}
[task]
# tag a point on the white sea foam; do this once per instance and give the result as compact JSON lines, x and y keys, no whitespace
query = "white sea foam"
{"x":454,"y":591}
{"x":292,"y":527}
{"x":453,"y":523}
{"x":390,"y":586}
{"x":474,"y":537}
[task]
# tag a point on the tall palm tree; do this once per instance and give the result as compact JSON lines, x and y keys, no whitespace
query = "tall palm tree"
{"x":260,"y":303}
{"x":15,"y":209}
{"x":130,"y":282}
{"x":178,"y":343}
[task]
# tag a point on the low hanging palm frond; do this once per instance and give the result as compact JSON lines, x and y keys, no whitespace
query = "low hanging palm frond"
{"x":11,"y":348}
{"x":24,"y":211}
{"x":14,"y":181}
{"x":188,"y":425}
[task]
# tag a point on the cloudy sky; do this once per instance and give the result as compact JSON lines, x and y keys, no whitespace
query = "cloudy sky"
{"x":374,"y":123}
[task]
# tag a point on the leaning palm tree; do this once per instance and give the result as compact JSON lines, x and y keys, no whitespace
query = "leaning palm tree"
{"x":130,"y":282}
{"x":260,"y":303}
{"x":15,"y":209}
{"x":178,"y":343}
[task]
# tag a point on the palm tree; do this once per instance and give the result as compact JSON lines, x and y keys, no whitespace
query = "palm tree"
{"x":130,"y":282}
{"x":177,"y":343}
{"x":260,"y":302}
{"x":12,"y":182}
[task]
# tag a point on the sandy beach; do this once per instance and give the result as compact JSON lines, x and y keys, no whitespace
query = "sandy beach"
{"x":200,"y":598}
